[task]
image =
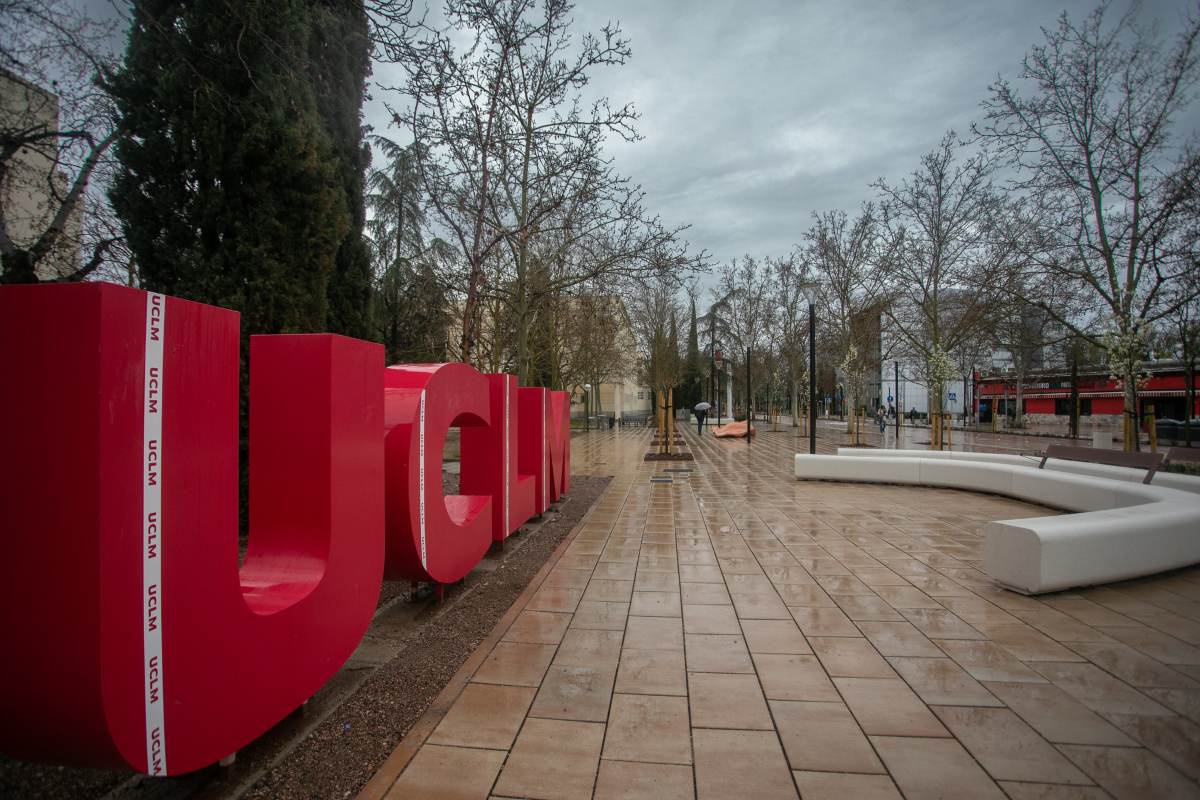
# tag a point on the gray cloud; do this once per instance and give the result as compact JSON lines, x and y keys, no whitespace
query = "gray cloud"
{"x":757,"y":114}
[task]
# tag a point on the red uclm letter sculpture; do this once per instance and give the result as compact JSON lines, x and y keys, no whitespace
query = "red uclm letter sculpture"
{"x":431,"y":537}
{"x":490,"y":463}
{"x":132,"y":636}
{"x":545,"y":443}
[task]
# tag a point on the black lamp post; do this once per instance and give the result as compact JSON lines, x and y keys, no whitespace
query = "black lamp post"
{"x":812,"y":377}
{"x":712,"y":373}
{"x":896,"y":406}
{"x":587,"y":406}
{"x":717,"y":364}
{"x":749,"y":400}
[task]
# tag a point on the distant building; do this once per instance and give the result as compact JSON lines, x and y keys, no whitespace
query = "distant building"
{"x":33,"y":190}
{"x":1046,"y":395}
{"x":615,"y":395}
{"x":620,"y":394}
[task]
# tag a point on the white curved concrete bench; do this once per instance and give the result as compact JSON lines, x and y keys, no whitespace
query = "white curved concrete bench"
{"x":1169,"y":480}
{"x":1120,"y":529}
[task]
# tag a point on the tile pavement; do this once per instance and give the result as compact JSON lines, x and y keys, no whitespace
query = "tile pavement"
{"x":737,"y":633}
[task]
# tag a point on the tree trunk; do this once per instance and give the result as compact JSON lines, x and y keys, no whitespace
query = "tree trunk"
{"x":1019,"y":419}
{"x":670,"y":419}
{"x":522,"y":303}
{"x":1075,"y":397}
{"x":1189,"y":366}
{"x":658,"y":413}
{"x":1132,"y":442}
{"x":795,"y":402}
{"x":935,"y":417}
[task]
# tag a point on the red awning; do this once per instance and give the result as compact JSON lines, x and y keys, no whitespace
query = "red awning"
{"x":1064,"y":394}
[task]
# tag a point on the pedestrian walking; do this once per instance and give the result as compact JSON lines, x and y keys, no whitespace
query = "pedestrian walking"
{"x":881,"y":420}
{"x":700,"y":415}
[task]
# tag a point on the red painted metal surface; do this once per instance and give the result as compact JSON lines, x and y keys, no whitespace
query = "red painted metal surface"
{"x":431,"y":537}
{"x":149,"y":647}
{"x":531,"y":443}
{"x":489,"y":459}
{"x":142,"y":643}
{"x":558,"y":443}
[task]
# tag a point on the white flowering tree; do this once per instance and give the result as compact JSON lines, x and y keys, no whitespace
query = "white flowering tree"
{"x":1106,"y":192}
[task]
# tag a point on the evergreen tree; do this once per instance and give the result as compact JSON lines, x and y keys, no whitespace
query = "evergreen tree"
{"x":231,"y":191}
{"x":410,"y":312}
{"x":693,"y":367}
{"x":339,"y":63}
{"x":234,"y":189}
{"x":412,"y":317}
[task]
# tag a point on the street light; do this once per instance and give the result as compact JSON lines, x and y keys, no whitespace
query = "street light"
{"x":587,"y":404}
{"x":712,"y":373}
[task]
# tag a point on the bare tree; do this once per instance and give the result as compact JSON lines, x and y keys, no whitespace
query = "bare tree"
{"x":654,"y":314}
{"x":512,"y":160}
{"x":57,"y":124}
{"x":846,"y":256}
{"x":938,"y":220}
{"x":1183,"y":333}
{"x":744,"y":309}
{"x":1103,"y":187}
{"x":603,"y":236}
{"x":592,"y":339}
{"x":793,"y":281}
{"x":1026,"y":332}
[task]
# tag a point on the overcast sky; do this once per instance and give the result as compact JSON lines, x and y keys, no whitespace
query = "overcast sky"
{"x":757,"y":113}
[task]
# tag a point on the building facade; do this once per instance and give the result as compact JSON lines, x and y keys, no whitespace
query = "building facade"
{"x":1046,"y":395}
{"x":35,"y":186}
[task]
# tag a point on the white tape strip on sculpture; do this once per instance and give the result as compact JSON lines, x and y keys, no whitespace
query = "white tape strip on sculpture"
{"x":545,"y":455}
{"x":152,"y":531}
{"x":421,"y":478}
{"x":507,"y":389}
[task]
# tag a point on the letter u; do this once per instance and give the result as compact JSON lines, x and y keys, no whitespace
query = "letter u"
{"x":241,"y":648}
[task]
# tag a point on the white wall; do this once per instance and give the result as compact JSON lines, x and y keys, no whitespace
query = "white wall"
{"x":915,"y":395}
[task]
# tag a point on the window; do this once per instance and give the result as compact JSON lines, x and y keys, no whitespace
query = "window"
{"x":1062,"y":407}
{"x":641,"y":395}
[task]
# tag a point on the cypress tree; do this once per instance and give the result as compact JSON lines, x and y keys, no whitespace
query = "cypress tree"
{"x":230,"y":191}
{"x":693,"y":368}
{"x":339,"y":63}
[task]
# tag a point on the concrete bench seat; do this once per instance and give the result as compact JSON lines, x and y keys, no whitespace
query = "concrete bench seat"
{"x":1117,"y":528}
{"x":1186,"y":483}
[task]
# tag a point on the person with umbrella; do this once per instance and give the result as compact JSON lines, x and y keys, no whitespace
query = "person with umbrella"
{"x":701,"y":411}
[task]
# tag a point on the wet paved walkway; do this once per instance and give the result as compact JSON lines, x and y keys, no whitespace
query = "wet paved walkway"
{"x":738,"y":633}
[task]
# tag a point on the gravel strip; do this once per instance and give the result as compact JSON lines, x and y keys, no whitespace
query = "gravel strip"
{"x":345,"y":750}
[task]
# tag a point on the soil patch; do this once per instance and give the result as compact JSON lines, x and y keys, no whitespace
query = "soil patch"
{"x":668,"y":457}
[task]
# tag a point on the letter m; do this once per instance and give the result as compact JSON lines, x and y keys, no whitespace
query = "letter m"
{"x":558,"y":442}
